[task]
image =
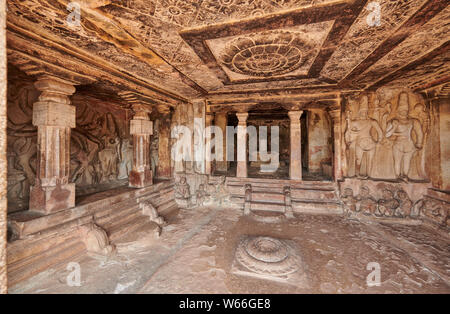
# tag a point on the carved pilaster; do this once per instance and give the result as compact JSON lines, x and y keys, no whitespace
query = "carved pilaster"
{"x":295,"y":166}
{"x":241,"y":171}
{"x":335,"y":114}
{"x":141,"y":128}
{"x":54,"y":117}
{"x":208,"y":122}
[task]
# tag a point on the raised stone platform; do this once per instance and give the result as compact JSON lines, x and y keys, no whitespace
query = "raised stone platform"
{"x":317,"y":197}
{"x":40,"y":242}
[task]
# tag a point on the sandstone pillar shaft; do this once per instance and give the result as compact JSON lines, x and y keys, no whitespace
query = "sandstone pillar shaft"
{"x":220,"y":121}
{"x":3,"y":167}
{"x":241,"y":171}
{"x":141,"y":128}
{"x":295,"y":166}
{"x":208,"y":143}
{"x":335,"y":115}
{"x":54,"y":117}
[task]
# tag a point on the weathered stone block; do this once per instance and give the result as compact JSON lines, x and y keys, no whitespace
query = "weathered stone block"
{"x":141,"y":127}
{"x":140,"y":179}
{"x":54,"y":114}
{"x":47,"y":200}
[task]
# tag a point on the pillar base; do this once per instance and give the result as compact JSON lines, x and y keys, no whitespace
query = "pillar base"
{"x":50,"y":199}
{"x":140,"y":179}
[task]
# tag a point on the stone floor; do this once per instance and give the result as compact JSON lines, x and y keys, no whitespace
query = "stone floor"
{"x":196,"y":250}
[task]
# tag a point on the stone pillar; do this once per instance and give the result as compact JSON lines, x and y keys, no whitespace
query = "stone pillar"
{"x":241,"y":171}
{"x":335,"y":115}
{"x":141,"y":128}
{"x":3,"y":167}
{"x":208,"y":141}
{"x":220,"y":121}
{"x":54,"y":117}
{"x":164,"y":157}
{"x":295,"y":166}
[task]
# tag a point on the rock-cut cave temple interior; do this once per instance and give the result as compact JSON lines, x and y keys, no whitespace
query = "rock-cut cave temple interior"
{"x":224,"y":146}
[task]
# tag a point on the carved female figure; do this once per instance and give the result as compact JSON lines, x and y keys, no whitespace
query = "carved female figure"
{"x":401,"y":129}
{"x":359,"y":139}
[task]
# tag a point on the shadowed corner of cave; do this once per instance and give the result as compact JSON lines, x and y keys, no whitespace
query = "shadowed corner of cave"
{"x":225,"y":147}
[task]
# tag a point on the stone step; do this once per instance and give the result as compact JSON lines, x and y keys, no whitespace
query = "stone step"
{"x":120,"y":230}
{"x":263,"y":206}
{"x":31,"y":259}
{"x":268,"y":197}
{"x":43,"y":261}
{"x":128,"y":214}
{"x":115,"y":209}
{"x":314,"y":195}
{"x":317,"y":207}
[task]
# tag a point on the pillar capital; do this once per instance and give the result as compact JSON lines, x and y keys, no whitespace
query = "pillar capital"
{"x":242,"y":116}
{"x":335,"y":113}
{"x":209,"y":117}
{"x":295,"y":115}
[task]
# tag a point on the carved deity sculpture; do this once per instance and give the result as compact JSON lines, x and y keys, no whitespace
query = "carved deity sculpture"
{"x":435,"y":210}
{"x":126,"y":159}
{"x":360,"y":141}
{"x":404,"y":210}
{"x":109,"y":157}
{"x":182,"y":190}
{"x":400,"y":130}
{"x":200,"y":195}
{"x":387,"y":205}
{"x":365,"y":202}
{"x":349,"y":201}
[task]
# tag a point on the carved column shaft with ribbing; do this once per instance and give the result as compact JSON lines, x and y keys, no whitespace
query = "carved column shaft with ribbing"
{"x":241,"y":171}
{"x":54,"y":117}
{"x":295,"y":166}
{"x":141,"y":128}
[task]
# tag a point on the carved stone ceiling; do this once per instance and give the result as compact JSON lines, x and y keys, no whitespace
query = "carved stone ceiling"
{"x":195,"y":48}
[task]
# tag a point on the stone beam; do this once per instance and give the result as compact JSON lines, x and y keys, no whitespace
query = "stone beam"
{"x":53,"y":50}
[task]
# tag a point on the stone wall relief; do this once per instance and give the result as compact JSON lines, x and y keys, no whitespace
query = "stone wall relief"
{"x":395,"y":203}
{"x":22,"y":137}
{"x":101,"y":151}
{"x":386,"y":136}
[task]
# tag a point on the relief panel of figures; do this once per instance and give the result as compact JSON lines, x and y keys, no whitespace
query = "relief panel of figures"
{"x":387,"y":136}
{"x":101,"y":151}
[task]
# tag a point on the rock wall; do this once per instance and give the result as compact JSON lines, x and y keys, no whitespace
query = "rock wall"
{"x":101,"y":148}
{"x":319,"y":141}
{"x":3,"y":187}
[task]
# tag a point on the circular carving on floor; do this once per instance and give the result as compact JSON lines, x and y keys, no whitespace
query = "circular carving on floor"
{"x":266,"y":256}
{"x":265,"y":54}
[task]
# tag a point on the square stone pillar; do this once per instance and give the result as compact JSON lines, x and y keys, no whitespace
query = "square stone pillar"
{"x":54,"y":117}
{"x":220,"y":121}
{"x":208,"y":141}
{"x":295,"y":165}
{"x":141,"y":128}
{"x":3,"y":135}
{"x":241,"y":171}
{"x":335,"y":115}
